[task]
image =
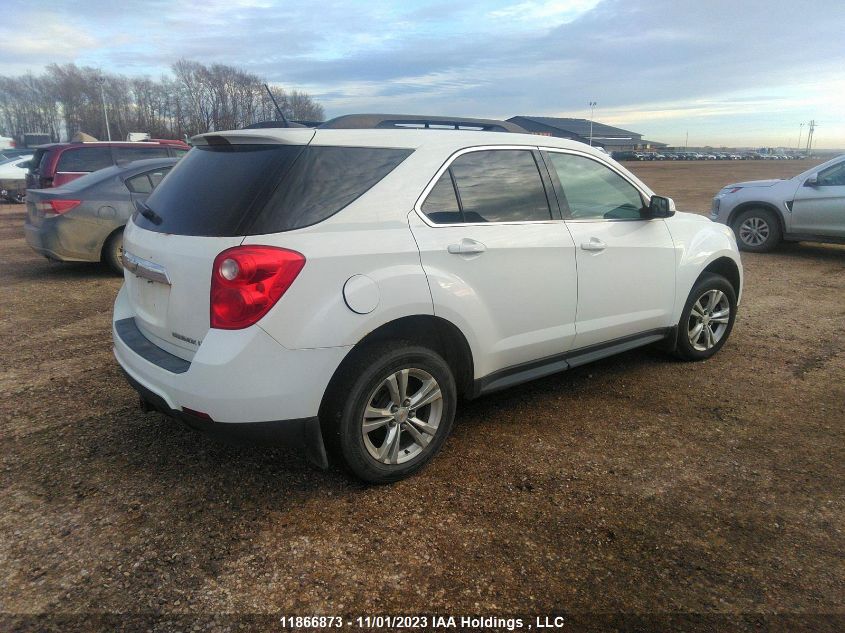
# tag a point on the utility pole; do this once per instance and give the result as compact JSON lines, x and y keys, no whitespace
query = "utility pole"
{"x":102,"y":80}
{"x":800,"y":130}
{"x":592,"y":109}
{"x":686,"y":141}
{"x":812,"y":128}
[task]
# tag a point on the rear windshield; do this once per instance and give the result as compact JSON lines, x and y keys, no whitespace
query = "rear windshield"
{"x":228,"y":190}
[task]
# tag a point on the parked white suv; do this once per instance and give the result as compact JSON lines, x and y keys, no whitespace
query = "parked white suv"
{"x":344,"y":287}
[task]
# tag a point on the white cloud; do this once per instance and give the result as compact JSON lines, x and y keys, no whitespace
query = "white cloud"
{"x":547,"y":14}
{"x":35,"y":34}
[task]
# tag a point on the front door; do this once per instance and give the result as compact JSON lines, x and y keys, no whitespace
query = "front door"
{"x":626,"y":261}
{"x":820,"y":209}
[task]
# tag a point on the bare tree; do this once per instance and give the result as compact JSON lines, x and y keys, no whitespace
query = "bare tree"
{"x":67,"y":99}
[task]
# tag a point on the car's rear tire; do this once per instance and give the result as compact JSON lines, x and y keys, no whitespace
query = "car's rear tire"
{"x":757,"y":230}
{"x":707,"y":319}
{"x":374,"y":420}
{"x":113,"y":252}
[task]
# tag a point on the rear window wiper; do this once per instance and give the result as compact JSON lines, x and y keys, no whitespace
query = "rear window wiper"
{"x":145,"y":210}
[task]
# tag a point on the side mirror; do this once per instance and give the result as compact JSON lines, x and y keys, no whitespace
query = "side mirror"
{"x":812,"y":181}
{"x":661,"y":207}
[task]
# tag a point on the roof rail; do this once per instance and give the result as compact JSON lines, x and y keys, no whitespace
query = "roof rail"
{"x":416,"y":121}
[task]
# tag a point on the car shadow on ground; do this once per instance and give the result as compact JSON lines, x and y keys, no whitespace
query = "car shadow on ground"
{"x":59,"y":271}
{"x":811,"y":251}
{"x":152,"y":444}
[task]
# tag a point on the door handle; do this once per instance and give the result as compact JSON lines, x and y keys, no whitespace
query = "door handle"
{"x":595,"y":244}
{"x":466,"y":247}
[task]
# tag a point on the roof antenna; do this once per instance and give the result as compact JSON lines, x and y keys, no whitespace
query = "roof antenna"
{"x":278,"y":109}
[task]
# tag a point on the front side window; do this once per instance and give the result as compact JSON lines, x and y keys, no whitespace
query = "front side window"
{"x":593,"y":191}
{"x":833,"y":176}
{"x":85,"y":159}
{"x":500,"y":185}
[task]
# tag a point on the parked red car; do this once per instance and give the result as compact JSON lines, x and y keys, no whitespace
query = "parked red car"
{"x":58,"y":163}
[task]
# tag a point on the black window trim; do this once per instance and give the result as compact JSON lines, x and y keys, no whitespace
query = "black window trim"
{"x":447,"y":165}
{"x":564,"y":205}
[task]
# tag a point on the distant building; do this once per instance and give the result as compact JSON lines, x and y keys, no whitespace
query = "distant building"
{"x":613,"y":139}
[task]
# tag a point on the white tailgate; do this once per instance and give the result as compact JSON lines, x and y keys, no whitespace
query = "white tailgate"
{"x":174,"y":316}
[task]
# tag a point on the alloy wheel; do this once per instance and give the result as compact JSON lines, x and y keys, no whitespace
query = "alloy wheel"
{"x":708,"y":320}
{"x":754,"y":231}
{"x":402,"y":416}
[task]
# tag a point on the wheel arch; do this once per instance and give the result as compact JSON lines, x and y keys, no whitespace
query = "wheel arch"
{"x":757,"y":204}
{"x":727,"y":268}
{"x":426,"y":330}
{"x":104,"y":243}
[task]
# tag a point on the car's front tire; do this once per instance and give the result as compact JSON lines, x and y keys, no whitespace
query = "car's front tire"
{"x":707,"y":319}
{"x":757,"y":230}
{"x":391,"y":411}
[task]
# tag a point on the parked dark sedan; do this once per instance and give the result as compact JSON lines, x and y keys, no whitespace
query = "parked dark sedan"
{"x":83,"y":220}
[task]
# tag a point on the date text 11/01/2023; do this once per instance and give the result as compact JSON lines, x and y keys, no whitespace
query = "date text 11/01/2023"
{"x":423,"y":622}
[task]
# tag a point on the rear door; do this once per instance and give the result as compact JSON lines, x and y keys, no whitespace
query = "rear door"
{"x":626,"y":262}
{"x":820,"y":209}
{"x":498,"y":262}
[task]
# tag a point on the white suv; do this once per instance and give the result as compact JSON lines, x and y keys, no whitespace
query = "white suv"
{"x":342,"y":288}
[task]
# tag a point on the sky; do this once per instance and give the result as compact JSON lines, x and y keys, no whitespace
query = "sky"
{"x":732,"y":73}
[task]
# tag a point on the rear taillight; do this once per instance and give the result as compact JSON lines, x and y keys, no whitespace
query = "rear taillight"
{"x":57,"y":207}
{"x":247,"y":281}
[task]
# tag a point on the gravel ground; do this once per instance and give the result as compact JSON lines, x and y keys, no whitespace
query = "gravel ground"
{"x":637,"y":484}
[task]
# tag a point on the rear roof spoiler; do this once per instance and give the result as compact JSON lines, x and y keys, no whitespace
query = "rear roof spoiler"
{"x":260,"y":136}
{"x":417,"y":121}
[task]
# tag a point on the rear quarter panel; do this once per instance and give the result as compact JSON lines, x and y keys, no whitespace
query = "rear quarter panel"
{"x":369,"y":237}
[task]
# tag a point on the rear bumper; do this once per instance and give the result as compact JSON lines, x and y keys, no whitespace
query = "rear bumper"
{"x":249,"y":384}
{"x":303,"y":434}
{"x":51,"y":237}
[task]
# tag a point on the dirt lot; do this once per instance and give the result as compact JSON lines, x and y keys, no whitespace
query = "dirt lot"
{"x":638,"y":484}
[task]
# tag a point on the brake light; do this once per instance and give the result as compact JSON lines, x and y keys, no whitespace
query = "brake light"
{"x":247,"y":281}
{"x":57,"y":207}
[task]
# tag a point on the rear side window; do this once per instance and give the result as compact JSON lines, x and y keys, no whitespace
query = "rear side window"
{"x":227,"y":190}
{"x":441,"y":205}
{"x":127,"y":154}
{"x":322,"y":182}
{"x":85,"y":159}
{"x":215,"y":189}
{"x":146,"y":182}
{"x":500,"y":186}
